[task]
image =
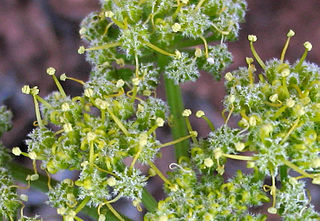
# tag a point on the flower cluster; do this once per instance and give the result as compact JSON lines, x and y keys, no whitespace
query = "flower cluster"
{"x":128,"y":33}
{"x":114,"y":121}
{"x":116,"y":117}
{"x":94,"y":133}
{"x":209,"y":198}
{"x":279,"y":130}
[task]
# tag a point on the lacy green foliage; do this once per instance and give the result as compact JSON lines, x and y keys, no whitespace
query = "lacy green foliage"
{"x":129,"y":32}
{"x":63,"y":195}
{"x":293,"y":203}
{"x":182,"y":69}
{"x":9,"y":199}
{"x":5,"y":120}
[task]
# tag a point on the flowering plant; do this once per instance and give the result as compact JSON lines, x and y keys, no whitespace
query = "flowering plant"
{"x":130,"y":44}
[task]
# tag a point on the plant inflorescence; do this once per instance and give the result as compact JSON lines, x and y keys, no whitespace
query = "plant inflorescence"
{"x":129,"y":45}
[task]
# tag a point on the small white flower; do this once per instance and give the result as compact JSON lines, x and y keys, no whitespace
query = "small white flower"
{"x":290,"y":102}
{"x":91,"y":136}
{"x":273,"y":98}
{"x":120,"y":83}
{"x":81,"y":50}
{"x":65,"y":107}
{"x":290,"y":33}
{"x":51,"y":71}
{"x":159,"y":122}
{"x":25,"y":89}
{"x":252,"y":38}
{"x":199,"y":113}
{"x":239,"y":146}
{"x":198,"y":52}
{"x":135,"y":81}
{"x":67,"y":127}
{"x":88,"y":92}
{"x":229,"y":76}
{"x":176,"y":27}
{"x":32,"y":155}
{"x":16,"y":151}
{"x":24,"y":197}
{"x":285,"y":72}
{"x":307,"y":45}
{"x":109,"y":14}
{"x":186,"y":113}
{"x":208,"y":162}
{"x":63,"y":77}
{"x":210,"y":60}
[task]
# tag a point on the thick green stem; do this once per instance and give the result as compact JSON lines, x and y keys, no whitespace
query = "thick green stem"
{"x":175,"y":102}
{"x":148,"y":201}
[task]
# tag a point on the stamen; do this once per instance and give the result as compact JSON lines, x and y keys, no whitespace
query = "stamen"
{"x":137,"y":65}
{"x":117,"y":121}
{"x":194,"y":133}
{"x":159,"y":50}
{"x":297,"y":169}
{"x":251,"y":69}
{"x":205,"y":46}
{"x":273,"y":190}
{"x":34,"y":92}
{"x":49,"y":179}
{"x":289,"y":35}
{"x":115,"y":213}
{"x":82,"y":204}
{"x":294,"y":126}
{"x":240,"y":157}
{"x":172,"y":166}
{"x":253,"y":38}
{"x":201,"y":114}
{"x":105,"y":46}
{"x":186,"y":113}
{"x":308,"y":46}
{"x":51,"y":71}
{"x":143,"y":140}
{"x":199,"y":5}
{"x":160,"y":174}
{"x":107,"y":28}
{"x":64,"y":77}
{"x":229,"y":115}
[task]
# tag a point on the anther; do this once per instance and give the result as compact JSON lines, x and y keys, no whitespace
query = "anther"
{"x":176,"y":27}
{"x":253,"y":38}
{"x":109,"y":14}
{"x":229,"y":76}
{"x":186,"y":113}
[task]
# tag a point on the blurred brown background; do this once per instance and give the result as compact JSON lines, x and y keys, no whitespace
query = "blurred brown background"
{"x":36,"y":34}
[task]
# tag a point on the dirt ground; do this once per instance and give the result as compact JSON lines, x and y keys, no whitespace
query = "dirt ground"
{"x":35,"y":34}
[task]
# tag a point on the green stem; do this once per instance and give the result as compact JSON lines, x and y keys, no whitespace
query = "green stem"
{"x":82,"y":204}
{"x":37,"y":110}
{"x":159,"y":50}
{"x":175,"y":102}
{"x":105,"y":46}
{"x":60,"y":88}
{"x":256,"y":56}
{"x":148,"y":201}
{"x":297,"y":169}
